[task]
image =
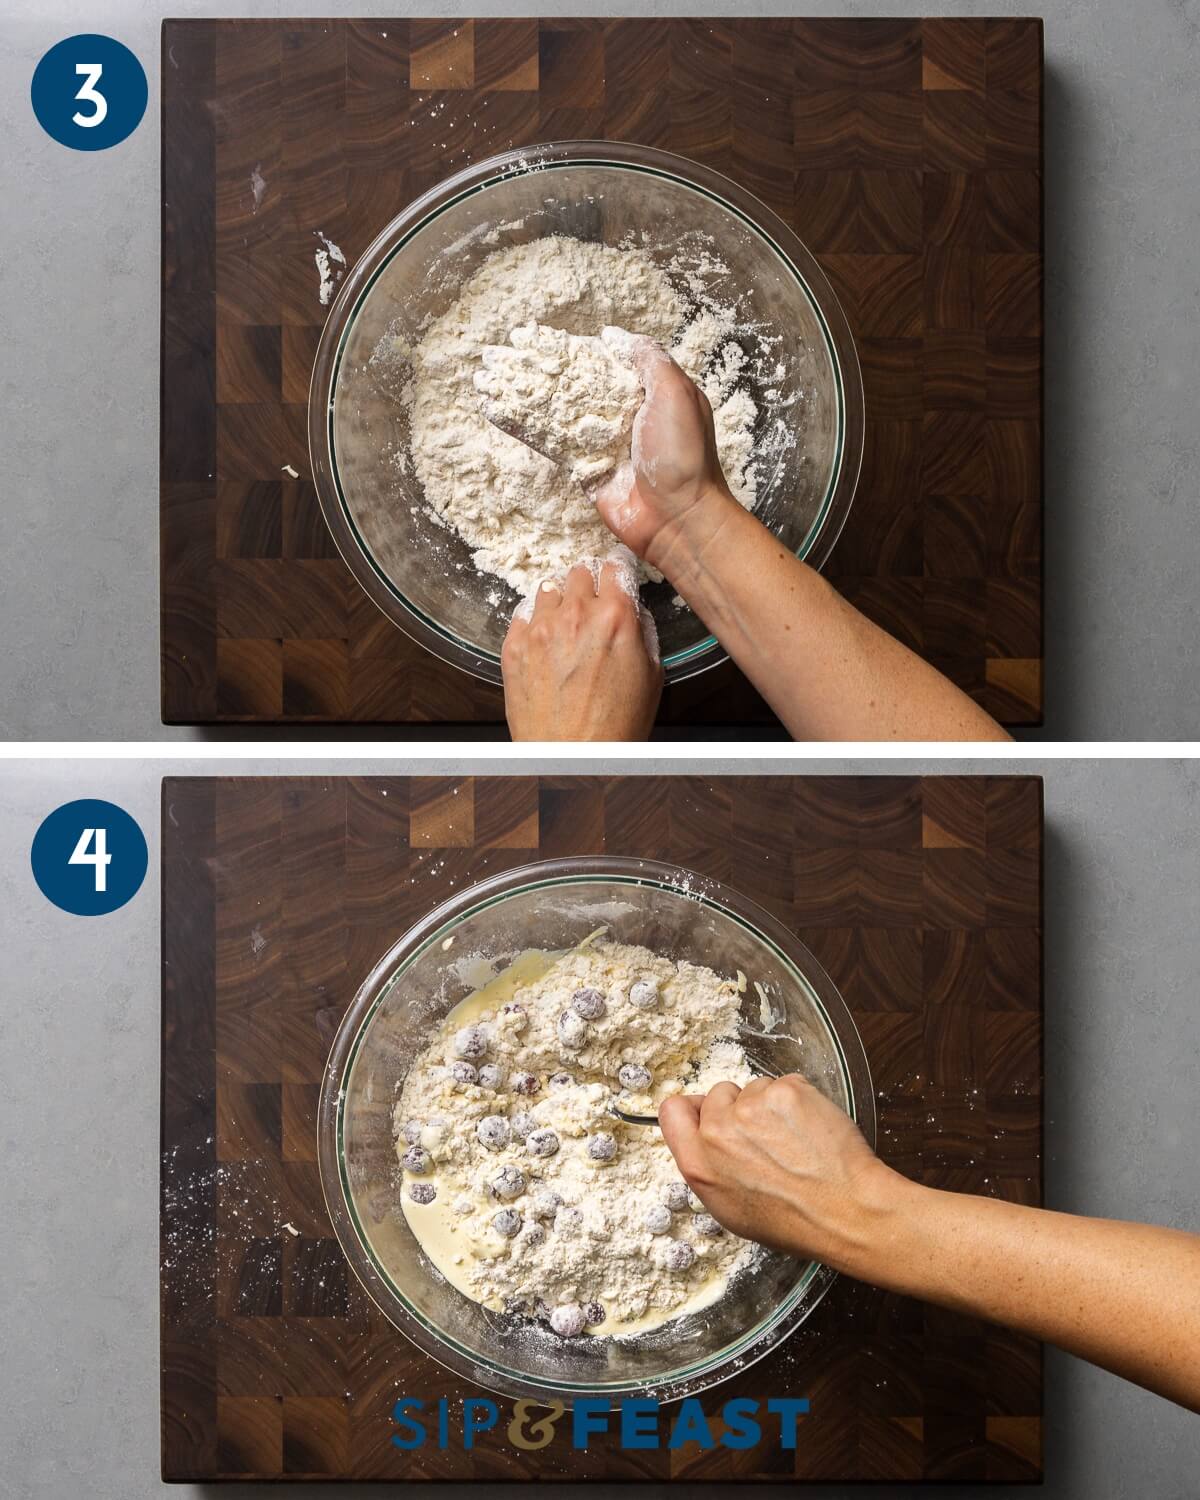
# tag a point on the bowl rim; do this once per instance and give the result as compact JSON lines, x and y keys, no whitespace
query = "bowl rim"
{"x":780,"y":238}
{"x":775,"y":1325}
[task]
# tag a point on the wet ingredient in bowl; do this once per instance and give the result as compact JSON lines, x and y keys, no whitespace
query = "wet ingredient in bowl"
{"x":542,"y":1201}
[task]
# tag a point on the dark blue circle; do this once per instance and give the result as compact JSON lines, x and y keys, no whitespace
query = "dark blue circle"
{"x":121,"y":84}
{"x":72,"y":887}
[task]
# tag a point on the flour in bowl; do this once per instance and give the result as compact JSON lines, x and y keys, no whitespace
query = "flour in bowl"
{"x":525,"y":517}
{"x":569,"y":396}
{"x":521,"y":1186}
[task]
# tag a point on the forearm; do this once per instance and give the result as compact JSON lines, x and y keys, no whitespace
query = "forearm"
{"x":1124,"y":1296}
{"x":826,"y":670}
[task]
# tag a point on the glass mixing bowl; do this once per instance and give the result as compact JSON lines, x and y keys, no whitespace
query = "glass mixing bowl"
{"x":809,"y":432}
{"x":793,"y":1021}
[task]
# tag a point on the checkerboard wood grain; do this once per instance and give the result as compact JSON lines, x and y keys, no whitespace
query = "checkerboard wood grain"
{"x":921,"y":897}
{"x":906,"y":154}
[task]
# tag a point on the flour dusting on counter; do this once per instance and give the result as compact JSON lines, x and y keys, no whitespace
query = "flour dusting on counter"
{"x":331,"y":267}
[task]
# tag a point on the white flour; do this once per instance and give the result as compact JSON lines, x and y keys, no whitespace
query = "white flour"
{"x":331,"y":265}
{"x":567,"y":396}
{"x":540,"y":1200}
{"x":524,"y":517}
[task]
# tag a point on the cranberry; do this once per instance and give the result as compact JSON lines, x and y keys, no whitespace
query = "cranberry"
{"x":493,"y":1131}
{"x":644,"y":994}
{"x":471,"y":1041}
{"x":602,"y":1147}
{"x":589,"y":1004}
{"x":572,"y":1030}
{"x":678,"y":1197}
{"x":657,"y":1219}
{"x":678,"y":1256}
{"x":541,"y":1142}
{"x":507,"y":1222}
{"x":509,"y":1182}
{"x":568,"y":1320}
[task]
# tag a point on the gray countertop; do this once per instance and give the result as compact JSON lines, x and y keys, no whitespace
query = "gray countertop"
{"x":79,"y":1116}
{"x":80,"y":372}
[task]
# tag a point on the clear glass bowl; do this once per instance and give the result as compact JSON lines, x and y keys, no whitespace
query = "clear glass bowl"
{"x":552,"y":906}
{"x":418,"y":572}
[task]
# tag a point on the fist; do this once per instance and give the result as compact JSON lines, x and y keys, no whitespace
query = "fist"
{"x":775,"y":1162}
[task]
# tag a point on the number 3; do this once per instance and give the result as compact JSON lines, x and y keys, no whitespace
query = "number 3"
{"x":87,"y":92}
{"x":99,"y":857}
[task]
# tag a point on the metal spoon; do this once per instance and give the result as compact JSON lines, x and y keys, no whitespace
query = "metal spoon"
{"x":622,"y":1114}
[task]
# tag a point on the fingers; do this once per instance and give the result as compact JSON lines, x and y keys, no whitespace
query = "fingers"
{"x":638,"y":350}
{"x":580,"y":584}
{"x":719,"y":1101}
{"x":618,"y":583}
{"x":614,"y":488}
{"x":679,"y":1121}
{"x":549,"y":597}
{"x":650,"y":636}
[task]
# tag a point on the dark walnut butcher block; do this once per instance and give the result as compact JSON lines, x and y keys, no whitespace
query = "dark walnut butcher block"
{"x":922,"y":899}
{"x":906,"y":154}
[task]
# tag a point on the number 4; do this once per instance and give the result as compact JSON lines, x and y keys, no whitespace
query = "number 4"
{"x":90,"y":72}
{"x":99,"y":857}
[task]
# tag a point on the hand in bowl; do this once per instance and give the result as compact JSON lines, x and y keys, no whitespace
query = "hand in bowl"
{"x":776,"y":1162}
{"x":672,"y":493}
{"x":583,"y":664}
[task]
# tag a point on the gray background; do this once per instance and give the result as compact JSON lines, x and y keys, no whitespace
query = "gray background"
{"x":80,"y":369}
{"x":79,"y":1119}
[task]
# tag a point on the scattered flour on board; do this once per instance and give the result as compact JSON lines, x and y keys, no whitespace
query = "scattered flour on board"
{"x":545,"y":1200}
{"x":524,"y":517}
{"x":331,"y":266}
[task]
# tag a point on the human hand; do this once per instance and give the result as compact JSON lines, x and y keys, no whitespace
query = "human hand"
{"x":580,"y":668}
{"x":779,"y":1163}
{"x":672,"y":491}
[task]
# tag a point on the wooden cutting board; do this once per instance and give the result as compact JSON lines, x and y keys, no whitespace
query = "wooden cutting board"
{"x":907,"y":155}
{"x":921,"y":897}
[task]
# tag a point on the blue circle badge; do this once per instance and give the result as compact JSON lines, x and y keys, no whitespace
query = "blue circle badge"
{"x":89,"y":92}
{"x":89,"y":857}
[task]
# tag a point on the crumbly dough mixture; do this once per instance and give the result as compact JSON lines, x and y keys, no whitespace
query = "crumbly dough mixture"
{"x":567,"y":395}
{"x":524,"y":517}
{"x":525,"y":1190}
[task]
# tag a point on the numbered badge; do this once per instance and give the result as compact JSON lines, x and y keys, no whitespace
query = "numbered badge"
{"x":89,"y":858}
{"x":89,"y":92}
